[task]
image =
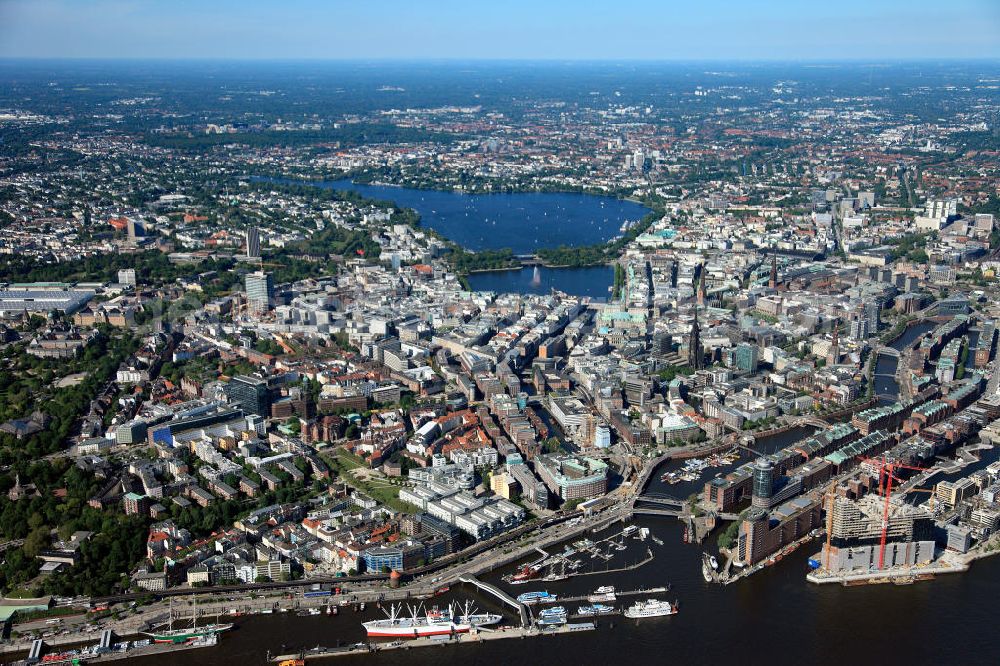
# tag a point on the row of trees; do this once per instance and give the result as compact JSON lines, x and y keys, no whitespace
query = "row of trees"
{"x":484,"y":260}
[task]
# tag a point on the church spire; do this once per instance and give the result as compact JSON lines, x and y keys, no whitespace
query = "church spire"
{"x":696,"y":358}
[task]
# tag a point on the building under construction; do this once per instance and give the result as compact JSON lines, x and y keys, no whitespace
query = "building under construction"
{"x":856,"y":531}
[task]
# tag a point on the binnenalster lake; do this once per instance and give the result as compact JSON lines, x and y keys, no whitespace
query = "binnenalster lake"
{"x":590,"y":281}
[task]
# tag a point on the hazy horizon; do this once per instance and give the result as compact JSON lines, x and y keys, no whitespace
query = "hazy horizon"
{"x":559,"y":30}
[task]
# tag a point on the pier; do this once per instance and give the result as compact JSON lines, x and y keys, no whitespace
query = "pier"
{"x":104,"y":651}
{"x":628,"y":567}
{"x":624,"y":593}
{"x":499,"y":594}
{"x":439,"y":641}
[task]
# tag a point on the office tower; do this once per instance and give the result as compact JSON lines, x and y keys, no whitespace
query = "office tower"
{"x":249,"y":394}
{"x":859,"y":327}
{"x":135,"y":229}
{"x":873,"y":313}
{"x":253,"y":243}
{"x":260,"y":291}
{"x":763,"y":482}
{"x":639,"y":159}
{"x":747,"y":357}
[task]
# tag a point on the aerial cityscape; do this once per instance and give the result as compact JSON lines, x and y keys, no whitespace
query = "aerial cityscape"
{"x":498,"y":350}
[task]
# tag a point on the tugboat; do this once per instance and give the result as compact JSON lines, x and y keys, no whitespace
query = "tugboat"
{"x":525,"y":573}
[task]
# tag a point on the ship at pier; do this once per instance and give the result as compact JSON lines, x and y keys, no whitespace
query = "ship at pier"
{"x":193,"y":633}
{"x":524,"y":574}
{"x":650,"y":608}
{"x":433,"y":622}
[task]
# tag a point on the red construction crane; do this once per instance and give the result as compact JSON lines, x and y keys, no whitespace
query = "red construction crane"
{"x":886,"y":476}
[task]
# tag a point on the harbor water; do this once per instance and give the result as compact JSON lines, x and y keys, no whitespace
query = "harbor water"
{"x":773,"y":617}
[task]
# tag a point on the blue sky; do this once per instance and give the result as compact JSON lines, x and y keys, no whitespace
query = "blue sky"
{"x":501,"y":29}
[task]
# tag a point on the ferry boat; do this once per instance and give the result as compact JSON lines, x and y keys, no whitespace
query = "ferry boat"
{"x":435,"y":622}
{"x":532,"y":598}
{"x":595,"y":609}
{"x":603,"y":593}
{"x":171,"y":635}
{"x":650,"y":608}
{"x":552,"y":616}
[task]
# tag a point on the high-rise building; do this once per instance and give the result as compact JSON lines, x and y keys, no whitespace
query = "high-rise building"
{"x":250,"y":394}
{"x":873,"y":313}
{"x":747,"y":357}
{"x":260,"y":291}
{"x":763,"y":482}
{"x":859,"y":328}
{"x":639,"y":159}
{"x":253,"y":243}
{"x":136,"y":229}
{"x":127,"y":276}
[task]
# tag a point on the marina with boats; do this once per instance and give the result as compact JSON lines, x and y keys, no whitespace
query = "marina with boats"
{"x":571,"y":560}
{"x":545,"y":612}
{"x":693,"y":468}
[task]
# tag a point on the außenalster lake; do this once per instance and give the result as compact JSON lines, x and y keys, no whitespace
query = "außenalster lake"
{"x":523,"y":222}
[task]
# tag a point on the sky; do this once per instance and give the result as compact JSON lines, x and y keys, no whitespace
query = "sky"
{"x":501,"y":29}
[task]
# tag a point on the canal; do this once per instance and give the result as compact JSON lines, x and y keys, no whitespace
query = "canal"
{"x":886,"y":386}
{"x":684,"y":489}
